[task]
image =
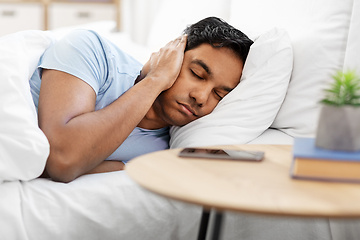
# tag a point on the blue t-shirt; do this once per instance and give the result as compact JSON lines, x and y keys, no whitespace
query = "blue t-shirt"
{"x":110,"y":72}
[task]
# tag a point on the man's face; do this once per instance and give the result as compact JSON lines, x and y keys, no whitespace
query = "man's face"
{"x":206,"y":76}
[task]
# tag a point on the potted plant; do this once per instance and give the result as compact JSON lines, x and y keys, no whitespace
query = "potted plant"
{"x":339,"y":122}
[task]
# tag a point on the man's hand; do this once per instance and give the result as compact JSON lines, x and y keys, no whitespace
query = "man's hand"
{"x":164,"y":66}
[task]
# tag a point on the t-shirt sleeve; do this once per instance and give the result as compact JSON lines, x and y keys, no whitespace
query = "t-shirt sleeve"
{"x":81,"y":54}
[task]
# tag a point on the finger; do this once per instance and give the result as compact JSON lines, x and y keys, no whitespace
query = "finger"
{"x":177,"y":40}
{"x":173,"y":42}
{"x":183,"y":40}
{"x":154,"y":55}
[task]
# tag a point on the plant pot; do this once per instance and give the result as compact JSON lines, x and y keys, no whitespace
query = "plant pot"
{"x":339,"y":128}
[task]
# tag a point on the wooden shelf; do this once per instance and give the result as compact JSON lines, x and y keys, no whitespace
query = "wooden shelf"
{"x":21,"y":1}
{"x":47,"y":4}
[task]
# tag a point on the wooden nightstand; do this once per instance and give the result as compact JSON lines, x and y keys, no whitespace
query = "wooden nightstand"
{"x":254,"y":187}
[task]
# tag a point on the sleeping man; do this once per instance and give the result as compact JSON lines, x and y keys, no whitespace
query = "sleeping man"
{"x":97,"y":103}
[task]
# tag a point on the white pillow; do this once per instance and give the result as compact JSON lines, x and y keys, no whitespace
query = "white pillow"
{"x":251,"y":107}
{"x":23,"y":146}
{"x":320,"y":36}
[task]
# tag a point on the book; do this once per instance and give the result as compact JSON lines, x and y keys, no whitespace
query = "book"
{"x":311,"y":162}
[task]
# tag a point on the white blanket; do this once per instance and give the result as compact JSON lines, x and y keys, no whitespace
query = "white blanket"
{"x":23,"y":146}
{"x":98,"y":206}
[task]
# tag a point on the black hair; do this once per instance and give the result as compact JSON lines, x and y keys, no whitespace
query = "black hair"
{"x":218,"y":33}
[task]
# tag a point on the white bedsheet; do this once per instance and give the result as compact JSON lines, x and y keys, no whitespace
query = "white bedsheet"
{"x":98,"y":206}
{"x":112,"y":206}
{"x":273,"y":136}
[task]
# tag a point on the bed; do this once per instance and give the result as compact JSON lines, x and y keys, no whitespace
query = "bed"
{"x":111,"y":205}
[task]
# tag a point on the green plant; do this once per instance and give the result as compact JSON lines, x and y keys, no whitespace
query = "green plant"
{"x":344,"y":91}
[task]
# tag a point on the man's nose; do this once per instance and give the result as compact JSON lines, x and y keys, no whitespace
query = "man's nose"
{"x":201,"y":95}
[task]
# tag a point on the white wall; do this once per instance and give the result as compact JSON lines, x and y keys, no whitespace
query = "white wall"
{"x":143,"y":19}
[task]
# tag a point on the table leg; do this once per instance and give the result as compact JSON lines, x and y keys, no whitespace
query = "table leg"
{"x":204,"y":224}
{"x":217,"y":226}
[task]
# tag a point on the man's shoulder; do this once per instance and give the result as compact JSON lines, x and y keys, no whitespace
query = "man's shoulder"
{"x":86,"y":43}
{"x":83,"y":36}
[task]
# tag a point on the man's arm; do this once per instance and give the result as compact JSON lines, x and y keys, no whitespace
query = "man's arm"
{"x":108,"y":166}
{"x":81,"y":138}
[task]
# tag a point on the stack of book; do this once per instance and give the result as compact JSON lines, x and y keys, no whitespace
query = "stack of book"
{"x":311,"y":162}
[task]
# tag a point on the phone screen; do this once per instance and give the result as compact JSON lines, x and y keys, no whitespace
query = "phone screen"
{"x":222,"y":154}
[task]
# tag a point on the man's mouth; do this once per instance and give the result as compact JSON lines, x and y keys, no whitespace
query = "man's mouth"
{"x":188,"y":110}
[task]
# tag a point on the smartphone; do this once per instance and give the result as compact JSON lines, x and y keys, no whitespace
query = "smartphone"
{"x":222,"y":154}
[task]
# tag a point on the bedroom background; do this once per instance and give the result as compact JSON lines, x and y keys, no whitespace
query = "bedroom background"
{"x":132,"y":19}
{"x":324,"y":36}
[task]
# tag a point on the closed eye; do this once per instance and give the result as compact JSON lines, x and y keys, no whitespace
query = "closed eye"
{"x":193,"y":73}
{"x":218,"y":95}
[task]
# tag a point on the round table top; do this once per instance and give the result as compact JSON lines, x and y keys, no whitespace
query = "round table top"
{"x":257,"y":187}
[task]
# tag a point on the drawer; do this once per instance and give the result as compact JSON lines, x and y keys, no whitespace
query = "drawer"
{"x":68,"y":14}
{"x":20,"y":16}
